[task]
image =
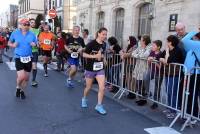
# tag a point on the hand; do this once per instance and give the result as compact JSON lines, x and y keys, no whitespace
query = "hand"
{"x":98,"y":55}
{"x":15,"y":44}
{"x":163,"y":60}
{"x":33,"y":44}
{"x":150,"y":59}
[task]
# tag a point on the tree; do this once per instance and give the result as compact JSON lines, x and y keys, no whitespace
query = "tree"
{"x":38,"y":19}
{"x":57,"y":23}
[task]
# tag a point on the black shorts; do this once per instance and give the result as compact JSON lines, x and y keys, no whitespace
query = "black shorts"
{"x":23,"y":66}
{"x":46,"y":53}
{"x":35,"y":57}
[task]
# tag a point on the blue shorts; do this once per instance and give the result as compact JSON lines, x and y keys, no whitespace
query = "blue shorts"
{"x":73,"y":61}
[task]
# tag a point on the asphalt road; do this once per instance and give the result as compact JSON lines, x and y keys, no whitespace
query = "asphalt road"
{"x":52,"y":108}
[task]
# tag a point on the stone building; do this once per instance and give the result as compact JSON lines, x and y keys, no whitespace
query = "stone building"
{"x":66,"y":12}
{"x":30,"y":8}
{"x":123,"y":18}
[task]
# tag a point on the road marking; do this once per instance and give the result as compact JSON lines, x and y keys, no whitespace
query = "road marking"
{"x":11,"y":66}
{"x":161,"y":130}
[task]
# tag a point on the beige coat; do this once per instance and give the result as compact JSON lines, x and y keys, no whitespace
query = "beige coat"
{"x":141,"y":65}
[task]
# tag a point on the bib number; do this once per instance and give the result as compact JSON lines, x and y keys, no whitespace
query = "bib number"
{"x":74,"y":55}
{"x":97,"y":66}
{"x":25,"y":59}
{"x":47,"y":42}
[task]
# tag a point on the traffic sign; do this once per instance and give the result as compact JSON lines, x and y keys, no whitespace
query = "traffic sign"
{"x":52,"y":13}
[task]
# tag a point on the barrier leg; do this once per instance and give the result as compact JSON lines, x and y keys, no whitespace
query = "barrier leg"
{"x":186,"y":122}
{"x":175,"y":119}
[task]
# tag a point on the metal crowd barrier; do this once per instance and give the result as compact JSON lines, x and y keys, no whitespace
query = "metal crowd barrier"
{"x":192,"y":99}
{"x":162,"y":84}
{"x":167,"y":85}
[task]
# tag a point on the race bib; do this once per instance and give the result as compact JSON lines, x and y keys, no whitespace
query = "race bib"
{"x":97,"y":66}
{"x":47,"y":42}
{"x":74,"y":55}
{"x":25,"y":59}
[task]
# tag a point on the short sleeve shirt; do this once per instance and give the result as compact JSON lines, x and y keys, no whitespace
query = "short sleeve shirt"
{"x":46,"y":39}
{"x":24,"y":47}
{"x":92,"y":48}
{"x":74,"y":44}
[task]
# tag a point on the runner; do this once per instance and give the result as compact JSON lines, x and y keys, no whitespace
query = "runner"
{"x":94,"y":68}
{"x":35,"y":53}
{"x":2,"y":47}
{"x":22,"y":40}
{"x":74,"y":47}
{"x":46,"y":40}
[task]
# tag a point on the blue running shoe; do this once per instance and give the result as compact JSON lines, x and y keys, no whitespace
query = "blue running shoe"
{"x":84,"y":103}
{"x":70,"y":84}
{"x":100,"y":109}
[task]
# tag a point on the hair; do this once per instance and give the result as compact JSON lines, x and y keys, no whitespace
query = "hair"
{"x":101,"y":30}
{"x":146,"y":39}
{"x":112,"y":41}
{"x":198,"y":35}
{"x":86,"y":31}
{"x":133,"y":41}
{"x":76,"y":27}
{"x":31,"y":19}
{"x":139,"y":37}
{"x":158,"y":43}
{"x":173,"y":39}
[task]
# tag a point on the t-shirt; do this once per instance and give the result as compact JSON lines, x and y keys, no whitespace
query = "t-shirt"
{"x":2,"y":42}
{"x":74,"y":44}
{"x":93,"y":48}
{"x":36,"y":32}
{"x":24,"y":47}
{"x":60,"y":45}
{"x":46,"y":39}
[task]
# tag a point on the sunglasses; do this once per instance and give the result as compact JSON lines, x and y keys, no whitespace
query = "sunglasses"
{"x":26,"y":24}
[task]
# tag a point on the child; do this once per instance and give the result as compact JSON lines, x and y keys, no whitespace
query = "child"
{"x":154,"y":71}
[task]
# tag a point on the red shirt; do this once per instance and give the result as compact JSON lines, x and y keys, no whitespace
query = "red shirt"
{"x":2,"y":42}
{"x":60,"y":45}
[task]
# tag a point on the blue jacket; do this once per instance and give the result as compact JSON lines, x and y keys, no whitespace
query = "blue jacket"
{"x":191,"y":47}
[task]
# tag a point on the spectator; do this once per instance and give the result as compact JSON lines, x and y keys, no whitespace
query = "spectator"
{"x":180,"y":33}
{"x":86,"y":37}
{"x":114,"y":62}
{"x":172,"y":54}
{"x":154,"y":71}
{"x":192,"y":46}
{"x":140,"y":69}
{"x":129,"y":65}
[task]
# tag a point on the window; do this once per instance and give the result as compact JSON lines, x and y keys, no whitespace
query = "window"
{"x":119,"y":25}
{"x":100,"y":20}
{"x":60,"y":2}
{"x":144,"y":19}
{"x":56,"y":4}
{"x":49,"y":4}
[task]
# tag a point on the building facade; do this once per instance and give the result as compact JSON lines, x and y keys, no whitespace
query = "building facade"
{"x":123,"y":18}
{"x":30,"y":8}
{"x":9,"y":18}
{"x":66,"y":12}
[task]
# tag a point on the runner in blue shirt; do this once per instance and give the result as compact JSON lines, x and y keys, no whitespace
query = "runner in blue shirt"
{"x":22,"y":40}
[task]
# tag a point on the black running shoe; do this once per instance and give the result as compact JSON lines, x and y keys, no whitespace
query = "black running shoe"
{"x":18,"y":92}
{"x":22,"y":95}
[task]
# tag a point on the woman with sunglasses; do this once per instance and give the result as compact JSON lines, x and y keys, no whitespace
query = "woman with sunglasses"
{"x":22,"y":40}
